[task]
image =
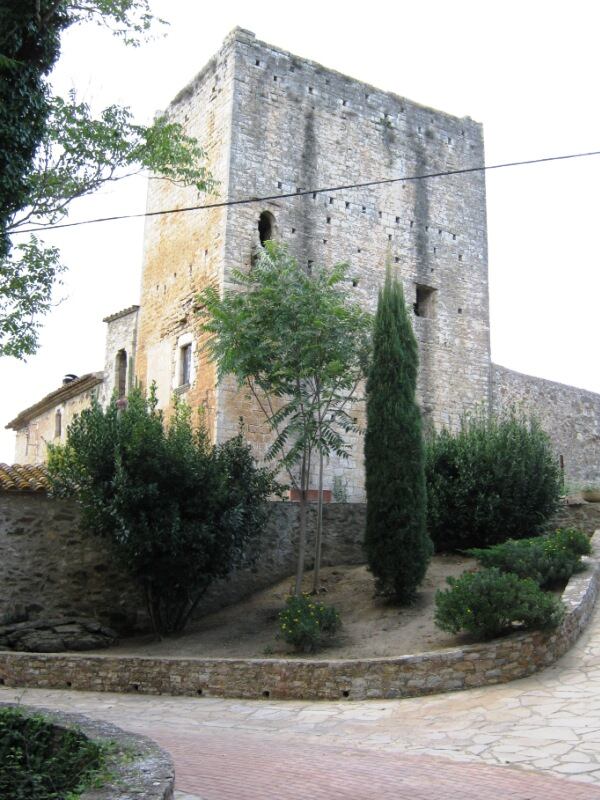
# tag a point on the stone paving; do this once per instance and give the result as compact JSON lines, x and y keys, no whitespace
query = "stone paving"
{"x":518,"y":741}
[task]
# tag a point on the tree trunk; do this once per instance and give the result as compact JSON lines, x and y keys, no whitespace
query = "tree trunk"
{"x":319,"y":534}
{"x":302,"y":527}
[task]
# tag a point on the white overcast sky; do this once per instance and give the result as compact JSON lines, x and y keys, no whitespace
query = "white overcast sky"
{"x":527,"y":70}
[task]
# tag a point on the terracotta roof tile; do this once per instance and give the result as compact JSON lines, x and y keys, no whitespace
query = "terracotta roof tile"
{"x":23,"y":478}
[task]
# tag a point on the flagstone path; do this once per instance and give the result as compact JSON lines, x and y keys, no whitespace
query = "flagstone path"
{"x":534,"y":739}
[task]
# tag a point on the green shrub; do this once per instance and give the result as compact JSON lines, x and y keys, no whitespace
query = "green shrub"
{"x":39,"y":761}
{"x":495,"y":479}
{"x":490,"y":603}
{"x":304,"y":621}
{"x":178,"y":511}
{"x":548,"y":560}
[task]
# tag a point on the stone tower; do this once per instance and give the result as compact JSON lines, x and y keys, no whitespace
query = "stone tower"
{"x":272,"y":123}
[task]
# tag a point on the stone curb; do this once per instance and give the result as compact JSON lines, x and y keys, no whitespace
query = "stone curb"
{"x":146,"y":772}
{"x":498,"y":661}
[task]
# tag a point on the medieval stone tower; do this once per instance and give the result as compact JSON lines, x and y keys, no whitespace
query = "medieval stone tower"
{"x":272,"y":123}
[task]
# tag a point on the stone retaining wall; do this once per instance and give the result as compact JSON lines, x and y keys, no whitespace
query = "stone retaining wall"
{"x":492,"y":662}
{"x":49,"y":568}
{"x":139,"y":768}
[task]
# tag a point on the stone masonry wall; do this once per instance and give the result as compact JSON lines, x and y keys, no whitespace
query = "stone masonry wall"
{"x":298,"y":125}
{"x":183,"y":252}
{"x":570,"y":416}
{"x":121,"y":334}
{"x":49,"y":567}
{"x":31,"y":441}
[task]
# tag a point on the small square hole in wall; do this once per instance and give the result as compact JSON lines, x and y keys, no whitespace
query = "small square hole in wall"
{"x":314,"y":195}
{"x":396,"y":260}
{"x":324,"y":241}
{"x":389,"y":237}
{"x":347,"y":204}
{"x":460,"y":256}
{"x":453,"y":237}
{"x":380,"y":214}
{"x":460,"y":310}
{"x":327,"y":81}
{"x":364,"y":209}
{"x":279,"y":185}
{"x":355,"y":282}
{"x":293,"y":230}
{"x":397,"y":220}
{"x":274,"y":77}
{"x":412,"y":222}
{"x":331,"y":201}
{"x":257,"y":63}
{"x":310,"y":89}
{"x":344,"y":102}
{"x":424,"y":305}
{"x":328,"y":220}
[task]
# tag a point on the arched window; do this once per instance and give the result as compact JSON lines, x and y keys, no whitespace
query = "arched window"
{"x":266,"y":227}
{"x":121,"y":374}
{"x":58,"y":424}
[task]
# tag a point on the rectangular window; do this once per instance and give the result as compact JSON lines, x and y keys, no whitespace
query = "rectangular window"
{"x":425,"y":301}
{"x":185,"y":361}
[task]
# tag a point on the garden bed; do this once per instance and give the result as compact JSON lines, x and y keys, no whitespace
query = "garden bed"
{"x":500,"y":660}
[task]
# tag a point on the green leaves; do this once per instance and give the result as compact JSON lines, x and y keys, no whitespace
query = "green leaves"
{"x":396,"y":542}
{"x":179,"y":511}
{"x":495,"y":479}
{"x":53,"y":150}
{"x":298,"y":344}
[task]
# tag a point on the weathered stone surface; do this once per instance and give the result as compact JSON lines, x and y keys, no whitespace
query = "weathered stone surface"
{"x":56,"y":635}
{"x":514,"y":656}
{"x":137,"y":769}
{"x":570,"y":416}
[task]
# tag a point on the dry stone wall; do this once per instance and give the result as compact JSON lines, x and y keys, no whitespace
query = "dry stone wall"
{"x":570,"y":416}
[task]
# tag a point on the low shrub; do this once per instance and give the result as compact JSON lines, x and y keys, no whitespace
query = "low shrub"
{"x":304,"y":622}
{"x":548,"y":560}
{"x":490,"y":603}
{"x":39,"y":761}
{"x":495,"y":479}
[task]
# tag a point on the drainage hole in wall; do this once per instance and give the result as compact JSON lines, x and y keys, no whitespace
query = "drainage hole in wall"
{"x":199,"y":691}
{"x":346,"y":693}
{"x":68,"y":684}
{"x":135,"y":687}
{"x":1,"y":681}
{"x":266,"y":693}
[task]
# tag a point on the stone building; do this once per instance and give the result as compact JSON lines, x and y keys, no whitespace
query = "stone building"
{"x":278,"y":126}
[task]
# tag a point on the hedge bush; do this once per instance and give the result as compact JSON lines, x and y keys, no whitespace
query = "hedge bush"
{"x":548,"y":560}
{"x":304,"y":622}
{"x":490,"y":603}
{"x":493,"y":480}
{"x":39,"y":761}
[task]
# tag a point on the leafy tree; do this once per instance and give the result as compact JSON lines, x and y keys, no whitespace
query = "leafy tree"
{"x":396,"y":541}
{"x":179,"y":511}
{"x":494,"y":479}
{"x":298,"y":346}
{"x":53,"y":150}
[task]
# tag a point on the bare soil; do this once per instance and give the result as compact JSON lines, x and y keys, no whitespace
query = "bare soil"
{"x":371,"y":626}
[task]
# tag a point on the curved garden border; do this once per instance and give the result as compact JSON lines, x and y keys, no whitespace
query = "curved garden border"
{"x":146,"y":770}
{"x":498,"y":661}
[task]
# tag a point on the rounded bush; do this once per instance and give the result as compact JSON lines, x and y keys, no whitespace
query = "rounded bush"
{"x":490,"y":603}
{"x":493,"y":480}
{"x":548,"y":560}
{"x":304,"y":622}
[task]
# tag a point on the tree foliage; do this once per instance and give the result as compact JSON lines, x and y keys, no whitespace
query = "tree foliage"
{"x":179,"y":511}
{"x":396,"y":541}
{"x":494,"y":479}
{"x":54,"y":150}
{"x":297,"y":344}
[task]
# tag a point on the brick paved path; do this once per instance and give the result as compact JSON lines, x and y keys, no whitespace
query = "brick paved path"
{"x":534,"y":739}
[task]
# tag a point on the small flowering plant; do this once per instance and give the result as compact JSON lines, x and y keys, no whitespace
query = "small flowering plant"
{"x":304,"y":622}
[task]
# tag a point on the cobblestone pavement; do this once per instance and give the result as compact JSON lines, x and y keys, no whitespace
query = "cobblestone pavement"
{"x":520,"y":740}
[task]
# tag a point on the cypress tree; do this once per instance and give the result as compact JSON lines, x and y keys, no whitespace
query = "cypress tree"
{"x":396,"y":542}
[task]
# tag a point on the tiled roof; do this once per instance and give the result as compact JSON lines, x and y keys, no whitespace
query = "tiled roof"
{"x":66,"y":391}
{"x":23,"y":478}
{"x":122,"y":313}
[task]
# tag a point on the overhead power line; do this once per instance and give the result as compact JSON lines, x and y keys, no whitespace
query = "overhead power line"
{"x":303,"y":192}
